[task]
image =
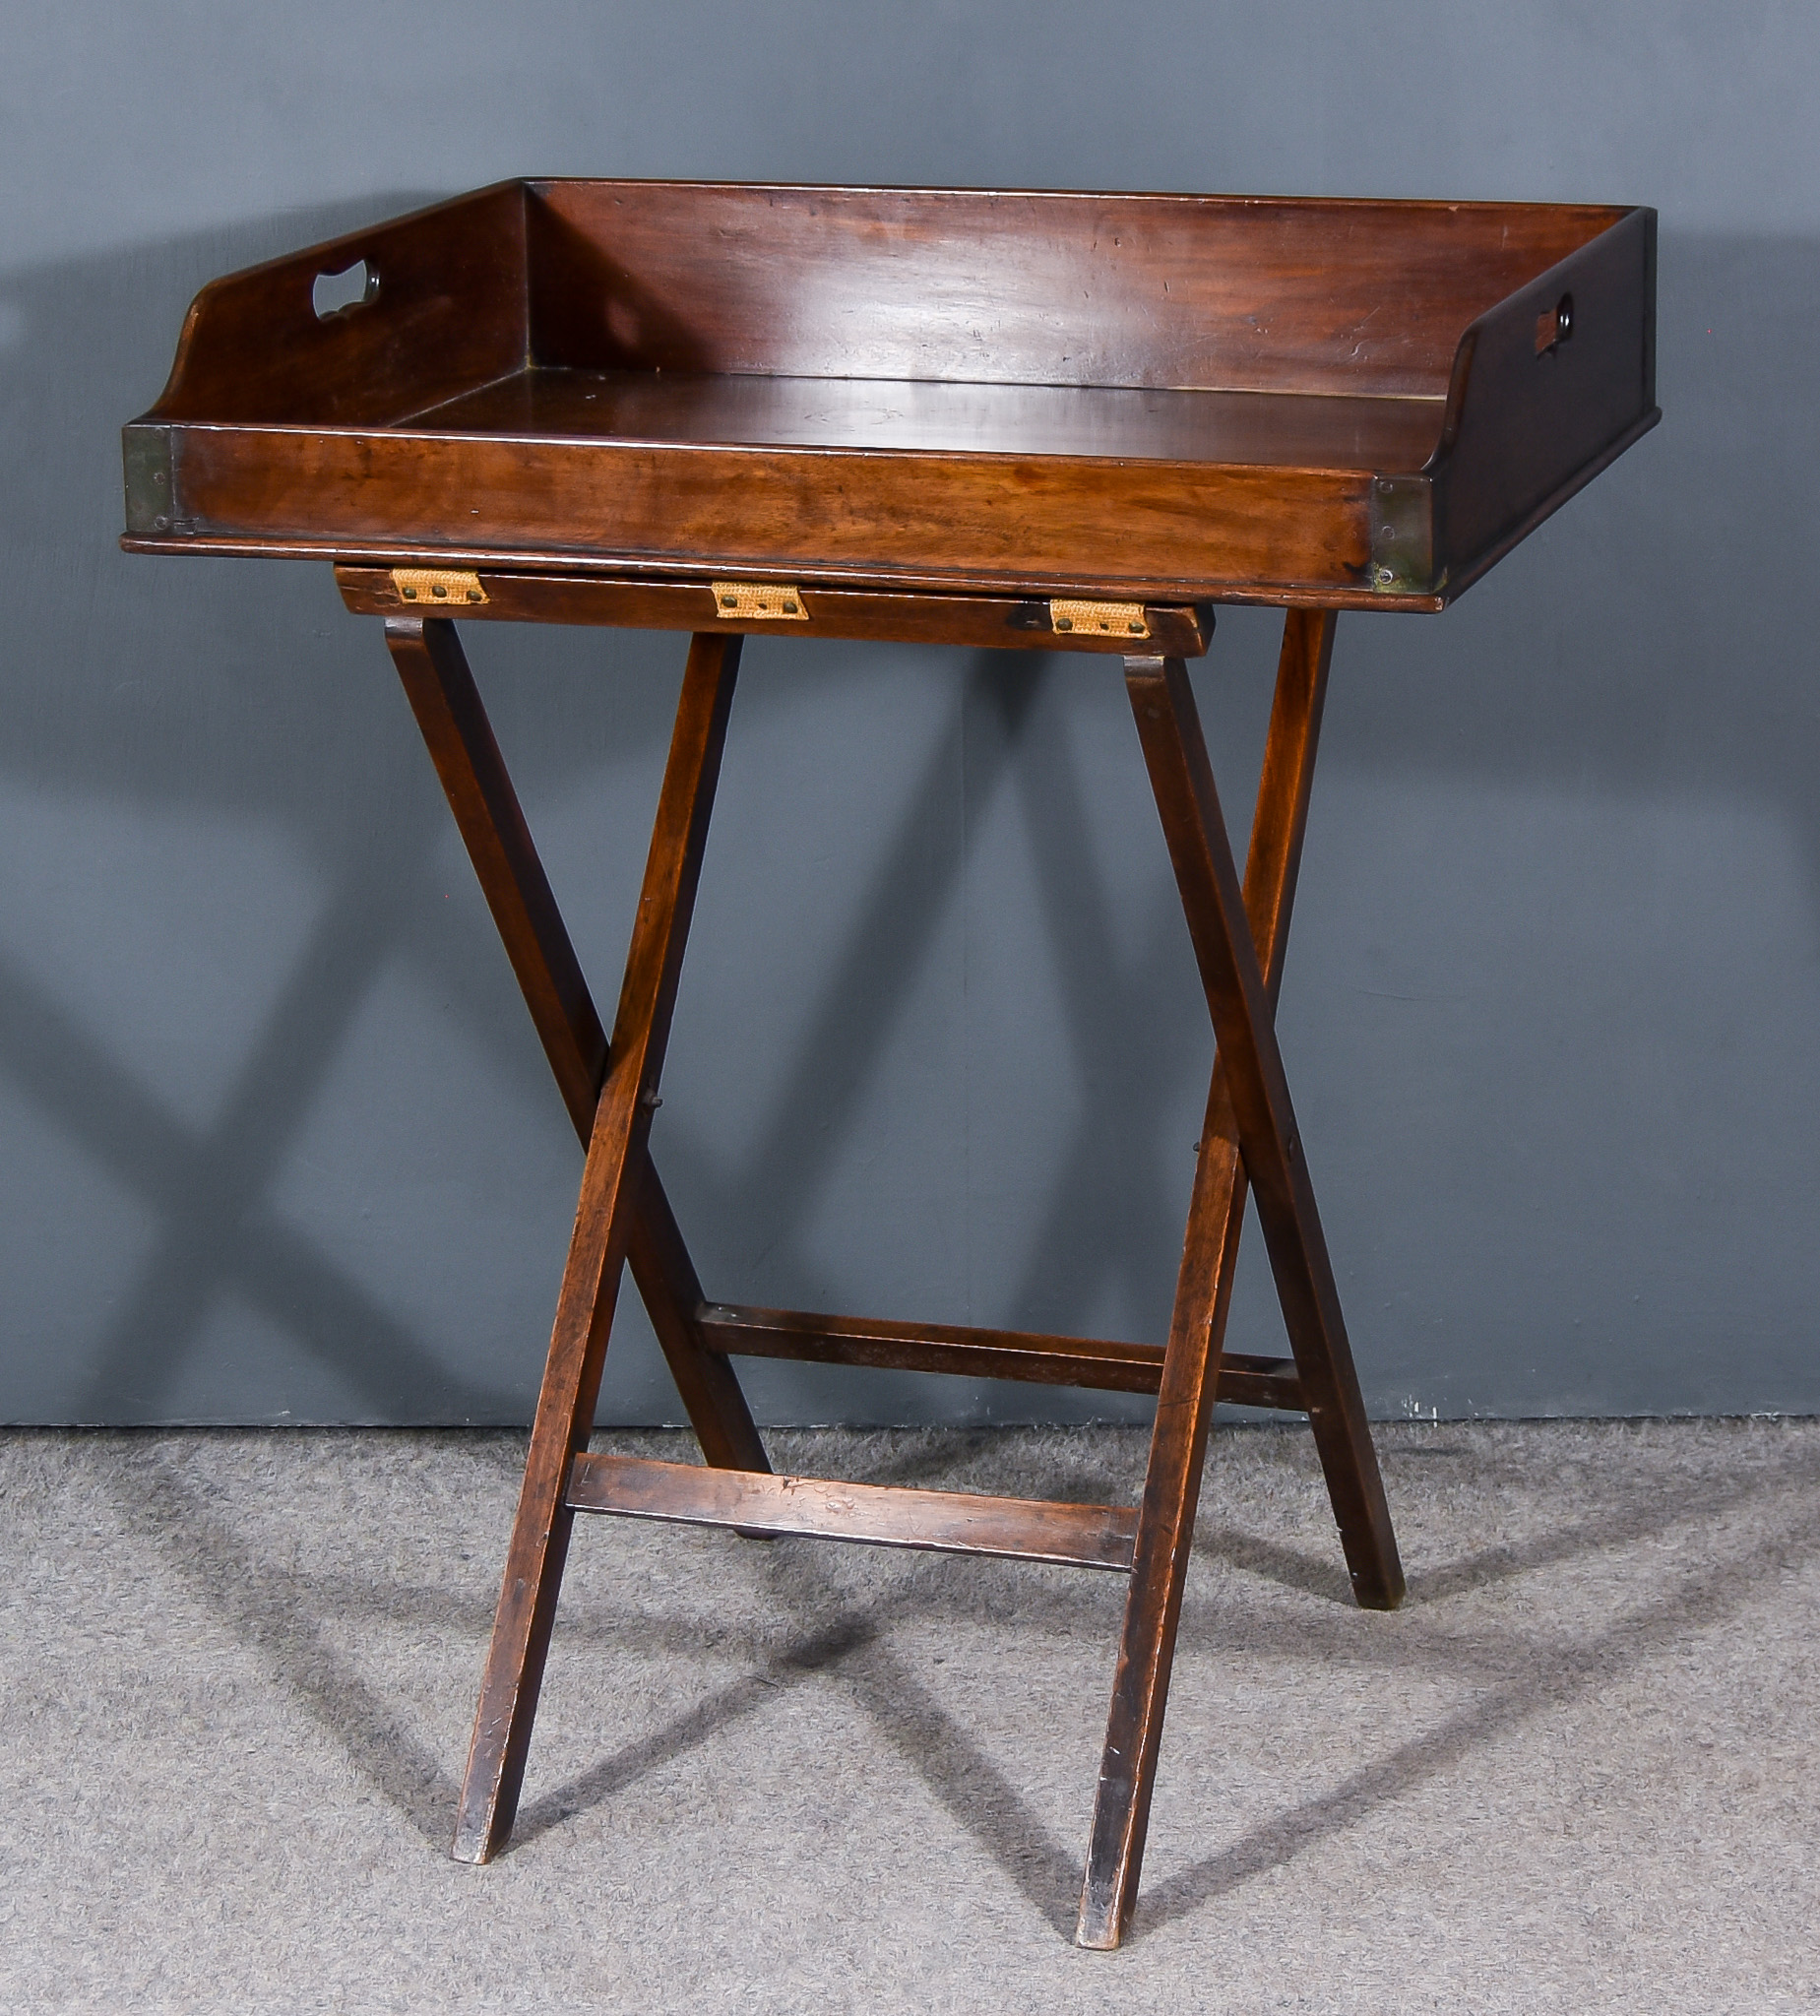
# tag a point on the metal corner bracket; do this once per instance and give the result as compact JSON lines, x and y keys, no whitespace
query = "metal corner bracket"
{"x":1401,"y":536}
{"x":151,"y":481}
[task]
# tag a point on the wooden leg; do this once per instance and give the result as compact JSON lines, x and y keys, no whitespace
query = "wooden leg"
{"x":612,"y":1184}
{"x":1242,"y":1011}
{"x":1239,"y":941}
{"x":448,"y":708}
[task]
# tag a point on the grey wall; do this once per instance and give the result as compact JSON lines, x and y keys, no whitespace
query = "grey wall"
{"x":276,"y":1140}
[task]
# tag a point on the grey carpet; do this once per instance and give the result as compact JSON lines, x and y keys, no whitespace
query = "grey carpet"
{"x":1575,"y":1772}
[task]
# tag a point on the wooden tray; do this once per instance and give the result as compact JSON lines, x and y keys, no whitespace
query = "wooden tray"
{"x":1167,"y":398}
{"x":1064,"y":422}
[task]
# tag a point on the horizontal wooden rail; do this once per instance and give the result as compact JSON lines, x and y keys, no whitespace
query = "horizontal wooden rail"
{"x":1085,"y":1361}
{"x":945,"y":1521}
{"x":1247,"y":1380}
{"x":978,"y":621}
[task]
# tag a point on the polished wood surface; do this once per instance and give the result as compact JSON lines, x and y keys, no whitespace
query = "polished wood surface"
{"x":920,"y":415}
{"x":1047,"y":288}
{"x":943,"y":1521}
{"x":932,"y":416}
{"x":603,"y":1227}
{"x":460,"y":738}
{"x":255,"y":352}
{"x":1093,"y":1364}
{"x":1222,"y":921}
{"x":1032,"y":524}
{"x":1180,"y":399}
{"x":1240,"y":939}
{"x":1510,"y":429}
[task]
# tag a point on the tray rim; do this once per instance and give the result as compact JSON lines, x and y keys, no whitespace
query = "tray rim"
{"x":527,"y":548}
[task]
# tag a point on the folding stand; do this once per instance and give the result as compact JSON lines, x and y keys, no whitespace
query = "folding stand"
{"x":1248,"y":1137}
{"x":915,"y":414}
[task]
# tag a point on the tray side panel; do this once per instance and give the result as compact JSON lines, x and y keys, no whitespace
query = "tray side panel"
{"x":1221,"y":294}
{"x":1169,"y":531}
{"x":448,"y":315}
{"x":1524,"y":421}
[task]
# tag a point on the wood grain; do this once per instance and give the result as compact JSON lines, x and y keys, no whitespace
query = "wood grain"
{"x":603,"y":1225}
{"x":447,"y":317}
{"x":1246,"y":935}
{"x":1142,"y":531}
{"x":904,"y":389}
{"x":974,"y":623}
{"x":446,"y":706}
{"x":1181,"y":777}
{"x":1220,"y":292}
{"x":942,"y":1522}
{"x":1091,"y":1363}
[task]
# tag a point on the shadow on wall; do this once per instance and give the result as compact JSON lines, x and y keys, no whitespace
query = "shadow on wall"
{"x":1574,"y":912}
{"x":220,"y":849}
{"x":283,"y":1145}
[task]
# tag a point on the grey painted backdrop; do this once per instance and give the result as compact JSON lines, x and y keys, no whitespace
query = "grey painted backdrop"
{"x":276,"y":1140}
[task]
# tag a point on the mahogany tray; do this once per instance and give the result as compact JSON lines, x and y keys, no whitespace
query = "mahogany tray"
{"x":1177,"y":399}
{"x":1064,"y":422}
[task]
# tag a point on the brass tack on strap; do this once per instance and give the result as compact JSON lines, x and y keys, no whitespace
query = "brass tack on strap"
{"x":436,"y":584}
{"x":761,"y":602}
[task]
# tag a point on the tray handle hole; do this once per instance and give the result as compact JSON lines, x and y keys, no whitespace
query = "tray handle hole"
{"x":1553,"y":325}
{"x":338,"y":293}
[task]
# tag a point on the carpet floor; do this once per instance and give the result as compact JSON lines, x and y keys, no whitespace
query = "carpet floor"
{"x":1575,"y":1773}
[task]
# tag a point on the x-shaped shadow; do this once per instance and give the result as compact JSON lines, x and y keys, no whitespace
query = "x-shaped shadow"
{"x":866,"y":991}
{"x":220,"y":1227}
{"x":278,"y":1615}
{"x":209,"y":1188}
{"x":838,"y":1639}
{"x":1128,"y":1077}
{"x":1130,"y":1068}
{"x":835,"y":1637}
{"x":831,"y":1637}
{"x":1538,"y":1678}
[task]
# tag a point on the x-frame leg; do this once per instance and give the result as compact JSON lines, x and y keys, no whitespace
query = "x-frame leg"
{"x":623,"y":1213}
{"x":448,"y":708}
{"x":1248,"y":1139}
{"x":1249,"y":1135}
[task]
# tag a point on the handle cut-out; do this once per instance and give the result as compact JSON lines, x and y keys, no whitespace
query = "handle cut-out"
{"x":339,"y":294}
{"x":1553,"y":325}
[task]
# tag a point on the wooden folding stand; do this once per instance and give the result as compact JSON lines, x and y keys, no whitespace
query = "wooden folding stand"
{"x":1053,"y":421}
{"x":610,"y":1088}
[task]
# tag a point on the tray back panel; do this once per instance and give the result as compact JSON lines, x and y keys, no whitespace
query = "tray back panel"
{"x":1216,"y":293}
